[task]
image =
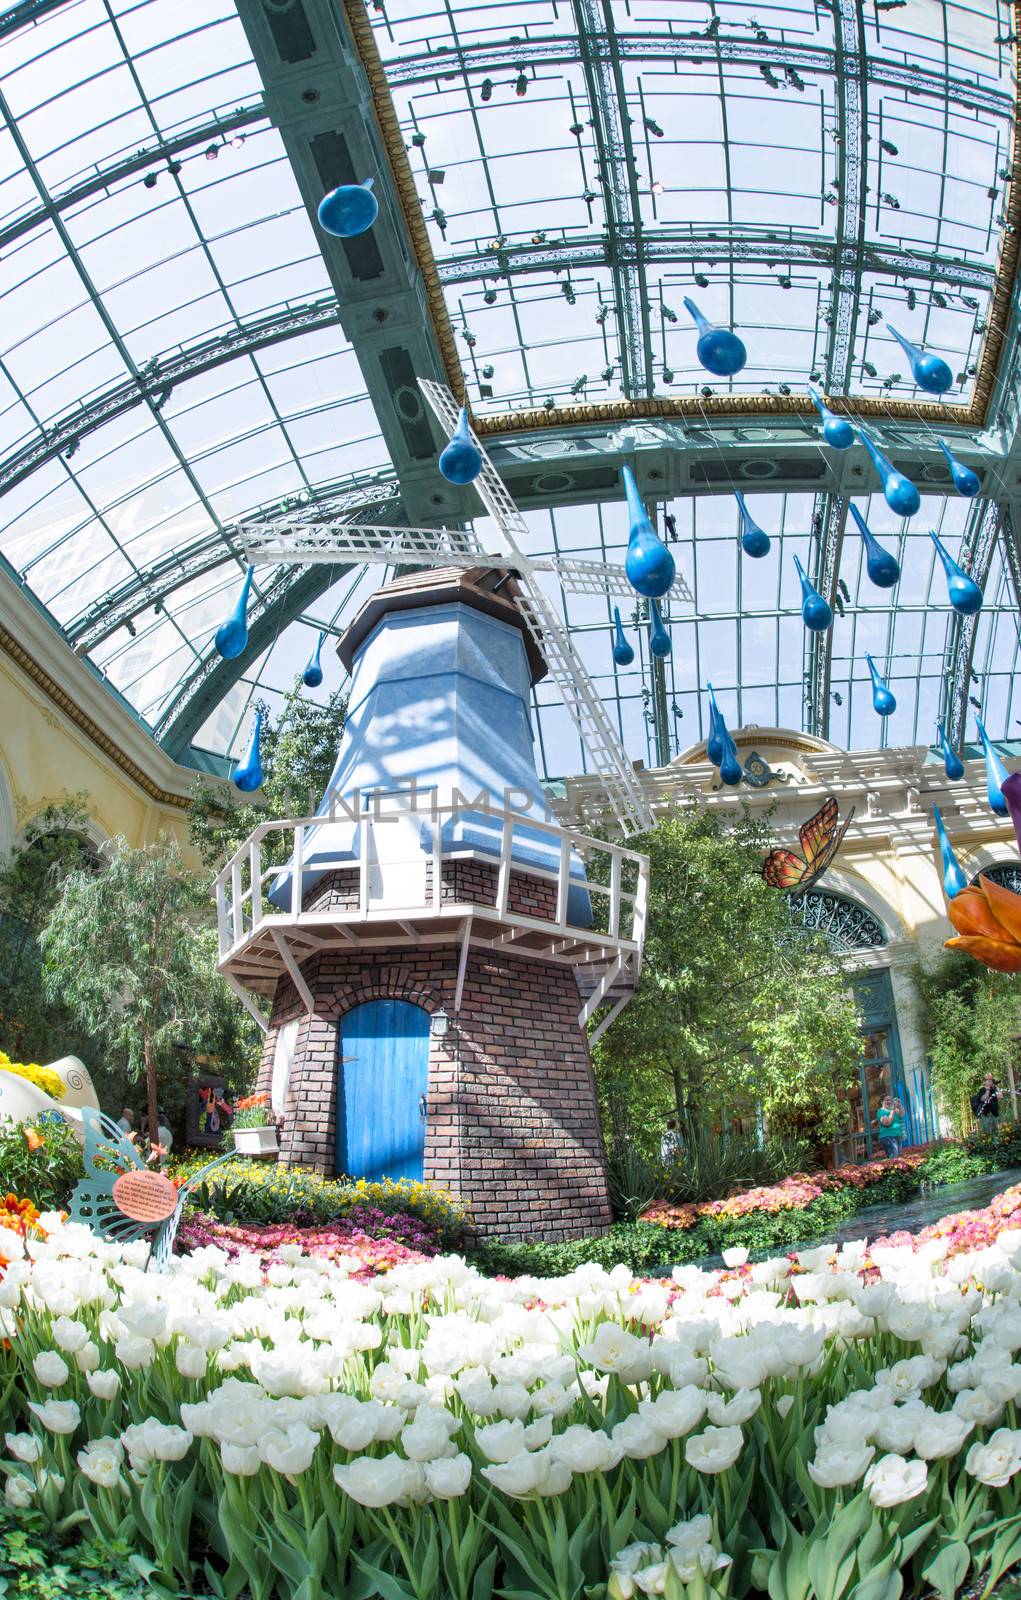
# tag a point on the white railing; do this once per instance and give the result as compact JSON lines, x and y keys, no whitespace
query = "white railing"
{"x":392,"y":884}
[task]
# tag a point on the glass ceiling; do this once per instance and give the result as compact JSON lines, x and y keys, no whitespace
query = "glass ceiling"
{"x":171,"y":357}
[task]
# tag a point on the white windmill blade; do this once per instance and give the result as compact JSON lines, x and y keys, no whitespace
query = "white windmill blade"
{"x":602,"y":577}
{"x":305,"y":540}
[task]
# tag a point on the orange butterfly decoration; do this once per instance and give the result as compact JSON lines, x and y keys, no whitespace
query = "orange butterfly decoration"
{"x":820,"y":839}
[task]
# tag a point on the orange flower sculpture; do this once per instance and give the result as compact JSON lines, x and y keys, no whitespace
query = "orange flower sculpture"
{"x":988,"y":922}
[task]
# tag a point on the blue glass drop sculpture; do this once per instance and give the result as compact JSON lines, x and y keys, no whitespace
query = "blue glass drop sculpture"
{"x":232,"y":635}
{"x":837,"y":431}
{"x":884,"y":702}
{"x":716,"y":743}
{"x":348,"y":210}
{"x":953,"y":766}
{"x":312,"y":676}
{"x":815,"y":613}
{"x":248,"y":776}
{"x":731,"y":771}
{"x":899,"y":492}
{"x":659,"y":639}
{"x":622,"y":651}
{"x":754,"y":540}
{"x":882,"y":567}
{"x":719,"y":350}
{"x":649,"y":565}
{"x":966,"y":482}
{"x":954,"y":876}
{"x":931,"y":373}
{"x":996,"y":772}
{"x":965,"y":594}
{"x":461,"y":461}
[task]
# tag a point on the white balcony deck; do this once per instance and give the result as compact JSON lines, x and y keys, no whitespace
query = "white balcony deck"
{"x":398,"y":896}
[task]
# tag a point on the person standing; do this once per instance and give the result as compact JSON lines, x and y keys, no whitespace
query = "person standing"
{"x":890,"y":1117}
{"x":986,"y":1104}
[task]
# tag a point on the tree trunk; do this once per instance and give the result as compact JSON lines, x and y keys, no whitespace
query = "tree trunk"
{"x":150,"y":1085}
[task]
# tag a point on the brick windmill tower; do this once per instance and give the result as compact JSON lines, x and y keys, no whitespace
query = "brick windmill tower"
{"x":438,"y":942}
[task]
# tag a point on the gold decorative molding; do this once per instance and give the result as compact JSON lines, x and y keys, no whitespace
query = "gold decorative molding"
{"x":649,"y":408}
{"x":63,"y":701}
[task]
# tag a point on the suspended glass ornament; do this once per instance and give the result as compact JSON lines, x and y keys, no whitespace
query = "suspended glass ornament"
{"x":882,"y":567}
{"x":930,"y":372}
{"x":996,"y":772}
{"x":348,"y":210}
{"x":966,"y":482}
{"x":954,"y":876}
{"x":461,"y":460}
{"x":248,"y":776}
{"x":953,"y":766}
{"x":659,"y":639}
{"x":964,"y":593}
{"x":731,"y":771}
{"x":714,"y":745}
{"x":815,"y":613}
{"x":754,"y":540}
{"x":312,"y":676}
{"x":623,"y":654}
{"x":837,"y":431}
{"x":649,"y":565}
{"x":884,"y":703}
{"x":232,"y":635}
{"x":899,"y":492}
{"x":718,"y":349}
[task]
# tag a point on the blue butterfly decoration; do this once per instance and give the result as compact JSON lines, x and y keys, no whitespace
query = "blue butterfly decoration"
{"x":109,"y":1155}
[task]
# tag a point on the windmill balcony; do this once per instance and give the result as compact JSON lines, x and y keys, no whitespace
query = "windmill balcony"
{"x":411,"y":875}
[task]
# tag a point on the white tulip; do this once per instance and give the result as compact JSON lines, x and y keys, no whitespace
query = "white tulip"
{"x":995,"y":1462}
{"x":135,"y":1353}
{"x":69,"y":1334}
{"x":101,"y":1461}
{"x":448,"y":1479}
{"x":501,"y":1441}
{"x":12,"y":1245}
{"x":637,"y":1438}
{"x":713,"y":1450}
{"x":634,"y":1558}
{"x":87,"y":1359}
{"x":24,"y":1447}
{"x":522,"y":1474}
{"x":51,"y":1369}
{"x":838,"y":1464}
{"x":190,"y":1362}
{"x":375,"y":1482}
{"x":891,"y":1480}
{"x":105,"y":1385}
{"x":153,"y":1440}
{"x":18,"y":1490}
{"x":739,"y":1408}
{"x":290,"y":1449}
{"x":895,"y":1428}
{"x":585,"y":1449}
{"x":941,"y":1434}
{"x":976,"y":1405}
{"x":240,"y":1460}
{"x":616,"y":1351}
{"x":57,"y":1416}
{"x":427,"y":1438}
{"x":736,"y":1256}
{"x":674,"y":1412}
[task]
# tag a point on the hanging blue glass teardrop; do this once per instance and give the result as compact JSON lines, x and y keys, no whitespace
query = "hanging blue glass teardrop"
{"x":623,"y":654}
{"x":884,"y":703}
{"x":731,"y":771}
{"x":964,"y":593}
{"x":815,"y":613}
{"x":754,"y":540}
{"x":966,"y":482}
{"x":659,"y":639}
{"x":899,"y":492}
{"x":930,"y":372}
{"x":719,"y":350}
{"x":312,"y":676}
{"x":714,"y":745}
{"x":954,"y":876}
{"x":232,"y":635}
{"x":348,"y":210}
{"x":996,"y":772}
{"x":248,"y":776}
{"x":837,"y":431}
{"x":649,"y":565}
{"x":882,"y":567}
{"x":461,"y":460}
{"x":953,"y":766}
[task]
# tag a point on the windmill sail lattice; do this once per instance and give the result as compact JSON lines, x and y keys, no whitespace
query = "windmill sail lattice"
{"x":299,"y":540}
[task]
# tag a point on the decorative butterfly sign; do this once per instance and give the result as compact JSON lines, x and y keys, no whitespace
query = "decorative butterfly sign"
{"x":121,"y":1198}
{"x":820,"y":838}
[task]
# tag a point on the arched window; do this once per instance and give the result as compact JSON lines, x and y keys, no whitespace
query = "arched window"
{"x":845,"y":924}
{"x":1007,"y":873}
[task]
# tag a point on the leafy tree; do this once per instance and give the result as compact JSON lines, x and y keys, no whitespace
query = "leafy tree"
{"x":738,"y":1010}
{"x":123,"y":950}
{"x":298,"y":755}
{"x":971,"y":1019}
{"x":31,"y":876}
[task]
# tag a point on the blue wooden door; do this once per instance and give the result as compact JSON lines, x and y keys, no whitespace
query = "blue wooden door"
{"x":382,"y":1083}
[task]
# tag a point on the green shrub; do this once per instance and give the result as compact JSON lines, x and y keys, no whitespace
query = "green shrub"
{"x":47,"y":1174}
{"x":266,"y":1192}
{"x":954,"y":1163}
{"x":34,"y":1565}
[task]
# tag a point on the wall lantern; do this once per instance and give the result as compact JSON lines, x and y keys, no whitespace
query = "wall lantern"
{"x":439,"y":1023}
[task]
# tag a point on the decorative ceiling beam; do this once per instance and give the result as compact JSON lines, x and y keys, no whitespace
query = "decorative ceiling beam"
{"x":28,"y":11}
{"x":617,"y":177}
{"x":850,"y":85}
{"x":985,"y":520}
{"x":104,"y":179}
{"x":450,"y":61}
{"x":159,"y":376}
{"x":747,"y":245}
{"x":829,"y":519}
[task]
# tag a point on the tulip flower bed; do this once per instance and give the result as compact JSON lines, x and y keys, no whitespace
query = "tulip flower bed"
{"x":842,"y":1426}
{"x":365,"y":1242}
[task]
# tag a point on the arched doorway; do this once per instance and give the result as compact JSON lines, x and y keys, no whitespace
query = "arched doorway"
{"x":382,"y":1084}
